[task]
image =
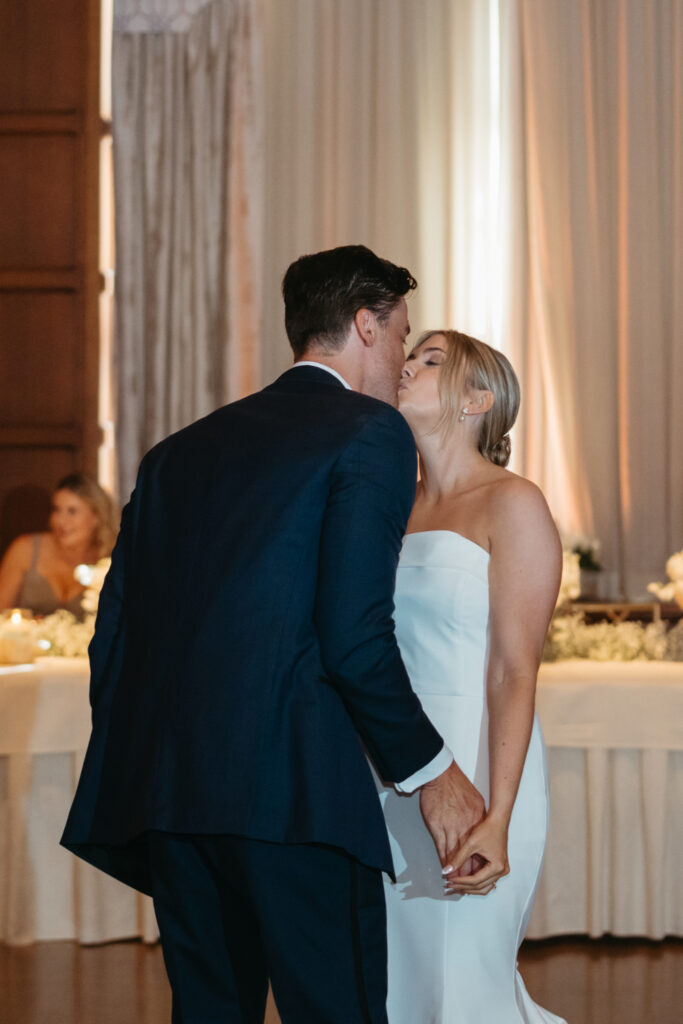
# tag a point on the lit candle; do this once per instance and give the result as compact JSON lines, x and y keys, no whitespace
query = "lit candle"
{"x":17,"y":642}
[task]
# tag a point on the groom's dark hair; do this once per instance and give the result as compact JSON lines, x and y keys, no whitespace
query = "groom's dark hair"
{"x":324,"y":291}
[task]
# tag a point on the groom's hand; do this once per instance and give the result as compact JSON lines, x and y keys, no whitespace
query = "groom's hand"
{"x":451,"y":807}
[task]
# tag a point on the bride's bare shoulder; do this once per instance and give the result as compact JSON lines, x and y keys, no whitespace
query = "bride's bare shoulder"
{"x":516,"y":501}
{"x":509,"y":486}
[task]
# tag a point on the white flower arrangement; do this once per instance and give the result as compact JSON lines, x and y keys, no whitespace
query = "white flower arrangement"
{"x":674,"y":643}
{"x":61,"y":634}
{"x":570,"y":636}
{"x":570,"y":585}
{"x":673,"y":590}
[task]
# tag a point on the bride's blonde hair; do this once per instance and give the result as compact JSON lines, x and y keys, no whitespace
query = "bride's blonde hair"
{"x":471,"y":363}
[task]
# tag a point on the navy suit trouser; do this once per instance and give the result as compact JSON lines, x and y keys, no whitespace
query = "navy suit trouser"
{"x":235,"y":912}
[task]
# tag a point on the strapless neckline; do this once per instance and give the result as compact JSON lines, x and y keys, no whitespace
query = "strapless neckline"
{"x":455,"y":958}
{"x":451,"y":533}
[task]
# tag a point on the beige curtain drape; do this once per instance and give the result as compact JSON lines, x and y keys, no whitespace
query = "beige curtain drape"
{"x":188,"y":145}
{"x":603,"y":150}
{"x":379,"y":119}
{"x":523,"y":158}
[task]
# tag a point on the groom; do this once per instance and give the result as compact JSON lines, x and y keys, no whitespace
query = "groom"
{"x":244,"y":653}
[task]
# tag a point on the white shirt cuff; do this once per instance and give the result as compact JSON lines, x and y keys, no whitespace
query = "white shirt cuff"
{"x":437,"y":766}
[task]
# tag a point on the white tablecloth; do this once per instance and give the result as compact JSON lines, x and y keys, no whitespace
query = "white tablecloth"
{"x":615,"y":744}
{"x":45,"y":892}
{"x":614,"y":733}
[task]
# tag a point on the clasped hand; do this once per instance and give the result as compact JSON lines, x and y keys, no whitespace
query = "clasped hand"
{"x":472,"y":847}
{"x":480,"y":861}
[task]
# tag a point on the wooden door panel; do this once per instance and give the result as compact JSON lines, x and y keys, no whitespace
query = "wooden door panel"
{"x":39,"y":227}
{"x":40,"y":368}
{"x":42,"y":55}
{"x":50,"y":131}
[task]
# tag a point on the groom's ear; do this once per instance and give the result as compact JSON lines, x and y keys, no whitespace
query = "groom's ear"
{"x":366,"y":326}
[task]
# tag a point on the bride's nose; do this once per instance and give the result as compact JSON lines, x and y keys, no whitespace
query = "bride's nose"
{"x":406,"y":371}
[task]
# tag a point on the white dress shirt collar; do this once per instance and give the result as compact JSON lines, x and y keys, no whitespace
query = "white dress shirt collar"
{"x":322,"y":366}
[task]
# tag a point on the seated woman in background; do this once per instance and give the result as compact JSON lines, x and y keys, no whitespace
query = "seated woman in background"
{"x":37,"y":571}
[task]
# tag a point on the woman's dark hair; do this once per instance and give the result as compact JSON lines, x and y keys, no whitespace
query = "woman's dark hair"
{"x":324,"y":291}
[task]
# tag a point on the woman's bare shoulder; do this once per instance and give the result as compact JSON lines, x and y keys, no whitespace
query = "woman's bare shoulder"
{"x":516,"y":501}
{"x":20,"y":551}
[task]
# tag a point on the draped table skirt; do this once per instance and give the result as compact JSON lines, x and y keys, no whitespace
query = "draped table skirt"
{"x":45,"y":892}
{"x":615,"y":750}
{"x":614,"y":732}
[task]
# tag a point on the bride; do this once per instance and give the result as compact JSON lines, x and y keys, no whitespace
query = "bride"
{"x":476,"y":587}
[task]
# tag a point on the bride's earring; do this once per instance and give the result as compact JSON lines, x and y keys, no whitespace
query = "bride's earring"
{"x":463,"y":414}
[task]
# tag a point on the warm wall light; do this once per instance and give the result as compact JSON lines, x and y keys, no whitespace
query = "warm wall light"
{"x":107,"y":17}
{"x":106,"y":459}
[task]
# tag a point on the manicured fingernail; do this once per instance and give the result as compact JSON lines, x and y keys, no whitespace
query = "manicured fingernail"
{"x":447,"y":870}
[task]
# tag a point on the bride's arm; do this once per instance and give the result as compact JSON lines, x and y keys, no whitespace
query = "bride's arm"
{"x":524,"y":576}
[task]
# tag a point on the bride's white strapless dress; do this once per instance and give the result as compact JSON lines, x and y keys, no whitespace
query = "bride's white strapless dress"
{"x":453,"y":959}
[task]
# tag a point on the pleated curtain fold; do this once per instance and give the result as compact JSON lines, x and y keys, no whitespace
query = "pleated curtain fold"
{"x":188,"y":152}
{"x":522,"y":157}
{"x":603,"y":370}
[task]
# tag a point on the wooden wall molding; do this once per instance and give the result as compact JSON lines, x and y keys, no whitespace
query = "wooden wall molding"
{"x":48,"y":123}
{"x":33,"y":279}
{"x":50,"y":280}
{"x":40,"y":437}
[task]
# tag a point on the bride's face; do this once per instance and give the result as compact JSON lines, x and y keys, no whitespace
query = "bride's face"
{"x":418,"y":391}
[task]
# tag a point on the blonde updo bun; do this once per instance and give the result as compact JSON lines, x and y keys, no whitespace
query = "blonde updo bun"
{"x":471,"y":364}
{"x":500,"y":452}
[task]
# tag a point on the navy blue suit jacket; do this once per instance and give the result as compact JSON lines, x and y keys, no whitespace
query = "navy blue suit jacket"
{"x":244,"y":643}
